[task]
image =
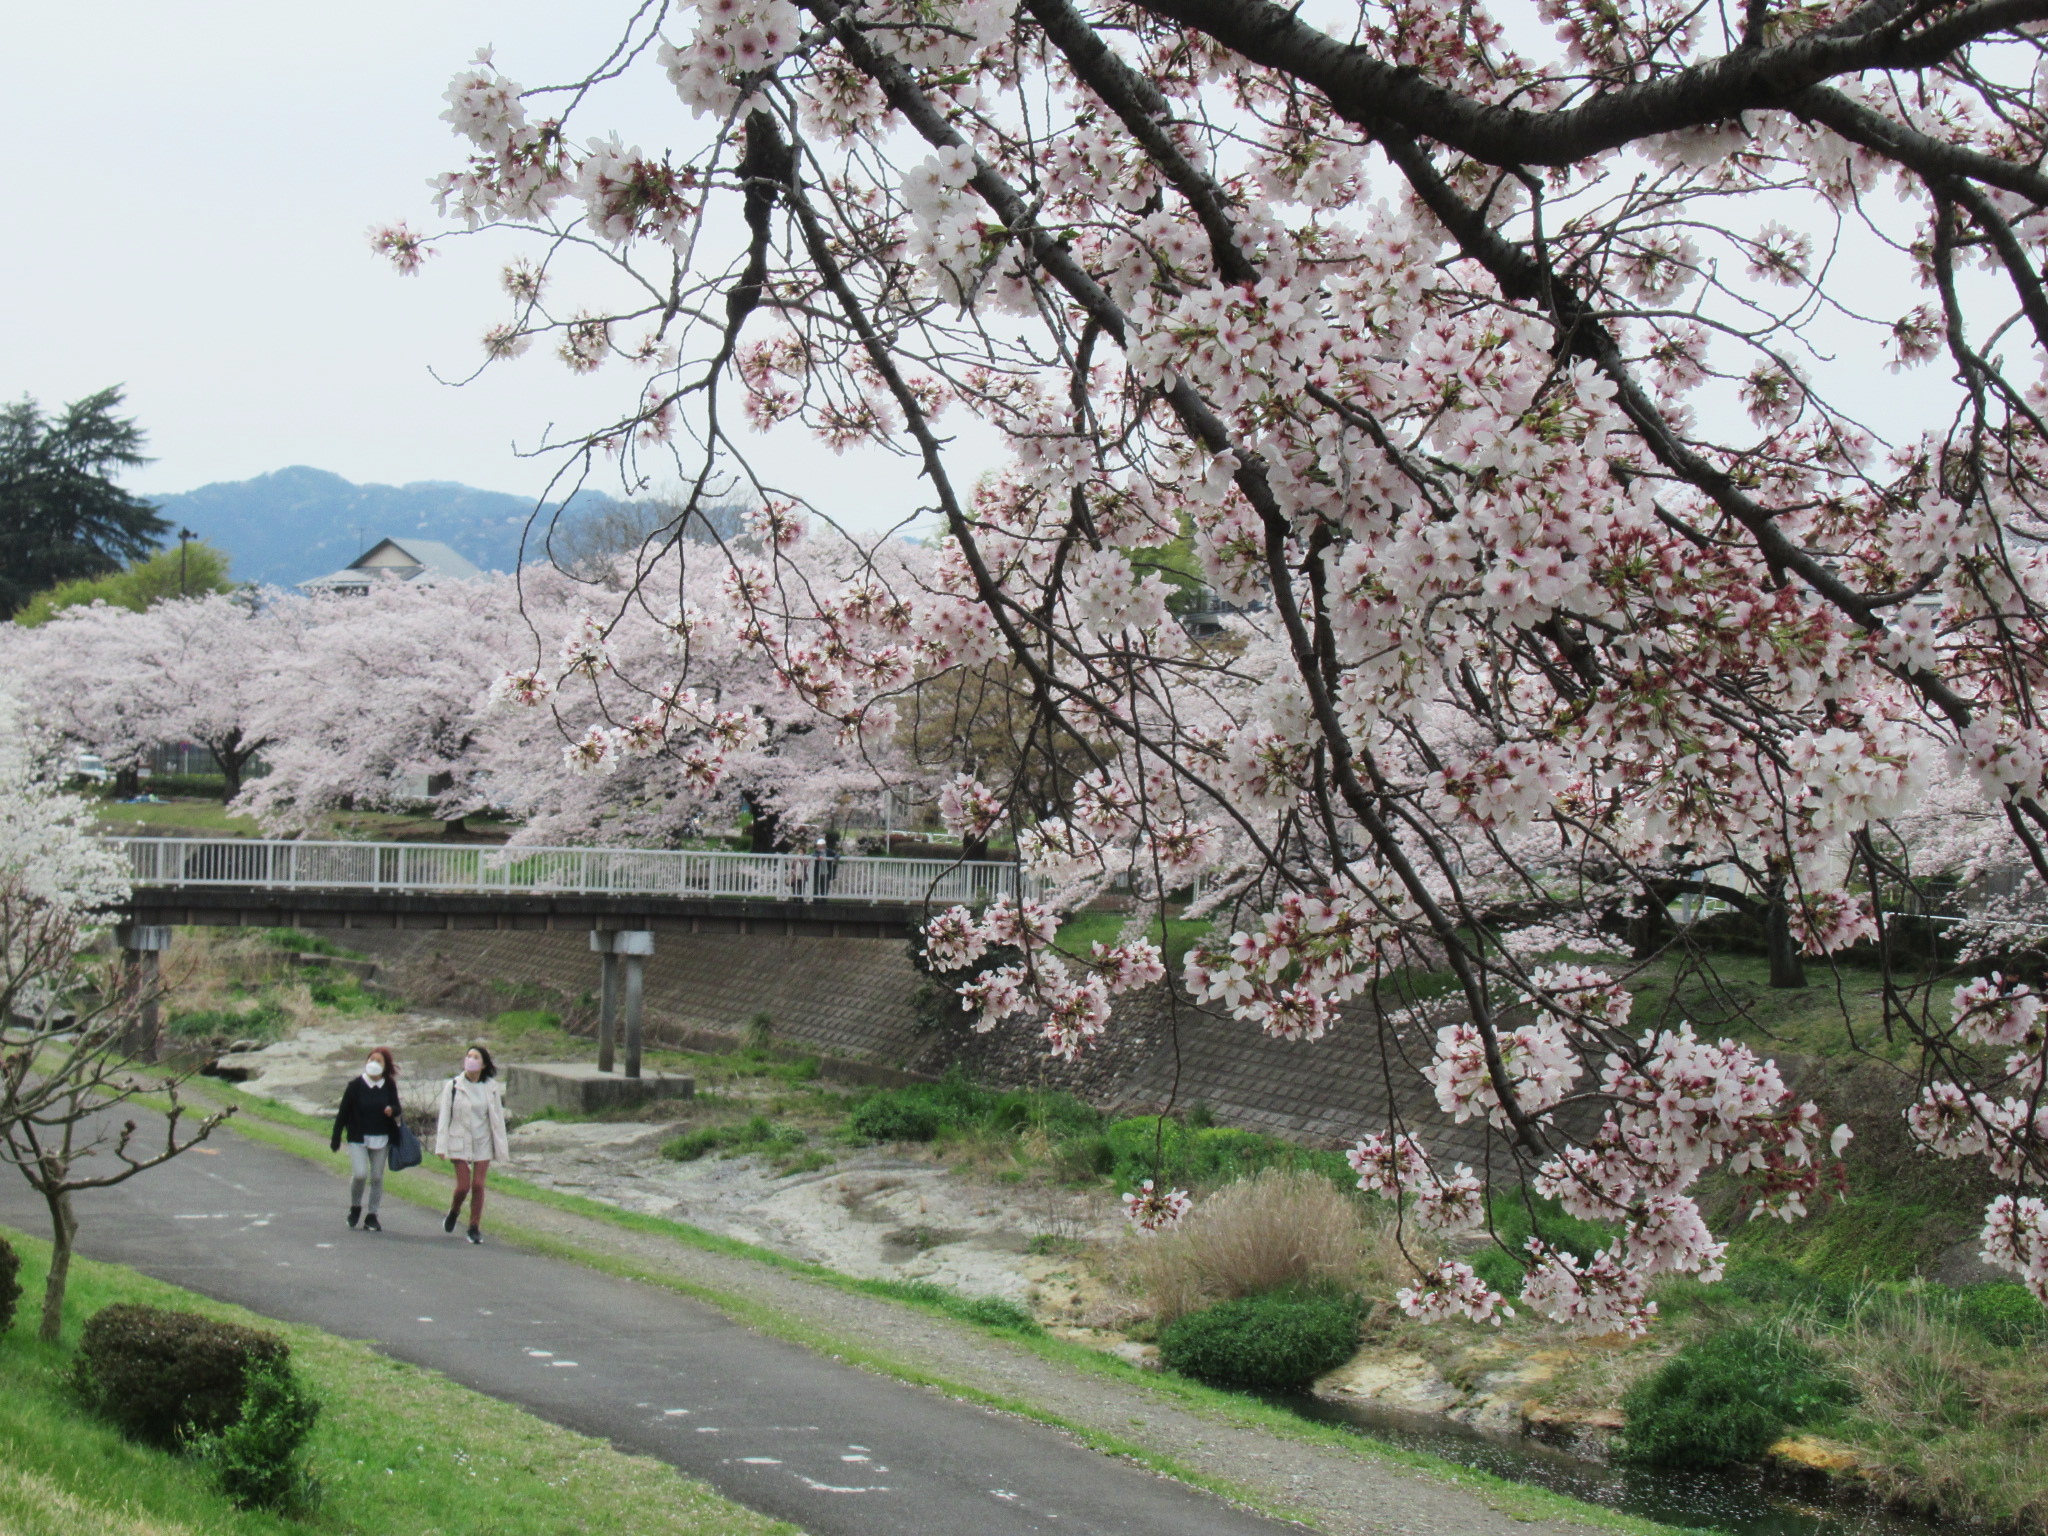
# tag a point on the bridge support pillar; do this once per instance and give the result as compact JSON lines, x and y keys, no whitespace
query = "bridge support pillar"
{"x":607,"y":998}
{"x":632,"y":950}
{"x":141,"y":947}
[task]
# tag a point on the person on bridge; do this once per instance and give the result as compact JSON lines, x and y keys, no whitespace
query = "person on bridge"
{"x":471,"y":1134}
{"x":368,"y":1116}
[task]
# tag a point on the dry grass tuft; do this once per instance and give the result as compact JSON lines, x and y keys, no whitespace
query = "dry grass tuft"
{"x":1279,"y":1228}
{"x":213,"y":968}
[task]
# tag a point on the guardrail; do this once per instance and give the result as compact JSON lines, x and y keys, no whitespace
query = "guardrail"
{"x":425,"y":869}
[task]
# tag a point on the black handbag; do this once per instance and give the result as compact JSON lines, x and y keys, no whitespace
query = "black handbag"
{"x":405,"y":1149}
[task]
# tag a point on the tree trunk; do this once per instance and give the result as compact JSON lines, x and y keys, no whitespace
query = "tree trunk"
{"x":1650,"y":928}
{"x":63,"y":1229}
{"x":127,"y":782}
{"x":1787,"y":968}
{"x":766,"y":832}
{"x":232,"y":759}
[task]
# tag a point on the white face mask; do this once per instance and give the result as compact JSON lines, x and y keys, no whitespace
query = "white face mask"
{"x":373,"y":1070}
{"x":473,"y":1064}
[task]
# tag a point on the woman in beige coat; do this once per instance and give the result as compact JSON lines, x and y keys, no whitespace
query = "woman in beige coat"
{"x":471,"y":1134}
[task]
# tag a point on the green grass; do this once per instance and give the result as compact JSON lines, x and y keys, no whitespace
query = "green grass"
{"x":264,"y":1022}
{"x":758,"y":1134}
{"x":530,"y":1029}
{"x":300,"y":942}
{"x":207,"y":817}
{"x":1731,"y":994}
{"x":347,"y":995}
{"x":765,"y":1063}
{"x":397,"y":1449}
{"x":304,"y":1135}
{"x":1084,"y":929}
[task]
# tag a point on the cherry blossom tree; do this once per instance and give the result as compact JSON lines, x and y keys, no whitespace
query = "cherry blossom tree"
{"x":202,"y":669}
{"x":65,"y":1065}
{"x":384,"y":690}
{"x":590,"y":741}
{"x":1620,"y":430}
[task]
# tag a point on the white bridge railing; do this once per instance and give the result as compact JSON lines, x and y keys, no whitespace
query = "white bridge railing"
{"x":425,"y":869}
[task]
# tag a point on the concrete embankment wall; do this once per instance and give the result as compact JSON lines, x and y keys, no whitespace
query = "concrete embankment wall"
{"x":850,"y":1000}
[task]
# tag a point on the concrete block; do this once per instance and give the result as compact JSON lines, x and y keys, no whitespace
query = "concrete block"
{"x":578,"y":1088}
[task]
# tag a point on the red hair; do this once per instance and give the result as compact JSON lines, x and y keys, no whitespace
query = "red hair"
{"x":390,"y":1062}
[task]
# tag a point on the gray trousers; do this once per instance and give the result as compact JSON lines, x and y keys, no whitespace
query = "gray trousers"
{"x":367,"y":1164}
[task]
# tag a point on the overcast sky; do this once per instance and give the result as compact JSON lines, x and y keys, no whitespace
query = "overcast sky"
{"x":191,"y":182}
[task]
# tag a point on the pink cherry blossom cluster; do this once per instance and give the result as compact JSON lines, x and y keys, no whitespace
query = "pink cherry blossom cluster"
{"x":1539,"y":1060}
{"x":1605,"y":1294}
{"x":1449,"y":1290}
{"x":1825,"y":922}
{"x":1309,"y":955}
{"x":2015,"y":1237}
{"x":1042,"y":984}
{"x":2011,"y":1132}
{"x":1150,"y":1209}
{"x":1989,"y":1010}
{"x":969,"y":807}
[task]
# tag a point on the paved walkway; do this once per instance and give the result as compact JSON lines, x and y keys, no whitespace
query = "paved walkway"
{"x":785,"y":1430}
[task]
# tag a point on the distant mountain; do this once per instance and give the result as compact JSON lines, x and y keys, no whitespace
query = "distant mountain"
{"x":294,"y":524}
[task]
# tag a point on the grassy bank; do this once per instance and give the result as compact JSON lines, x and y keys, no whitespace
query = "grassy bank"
{"x":241,"y":985}
{"x":179,"y":813}
{"x":397,"y":1449}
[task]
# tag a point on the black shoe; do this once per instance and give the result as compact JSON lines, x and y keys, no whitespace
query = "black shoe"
{"x":355,"y":1213}
{"x":475,"y":1236}
{"x":453,"y":1216}
{"x":372,"y":1224}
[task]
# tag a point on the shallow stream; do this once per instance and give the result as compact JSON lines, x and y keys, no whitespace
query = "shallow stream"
{"x":1741,"y":1502}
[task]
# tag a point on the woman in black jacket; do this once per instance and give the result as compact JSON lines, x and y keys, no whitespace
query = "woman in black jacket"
{"x":369,"y":1118}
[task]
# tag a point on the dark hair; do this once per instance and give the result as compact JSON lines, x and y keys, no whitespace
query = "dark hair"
{"x":490,"y":1067}
{"x":383,"y":1053}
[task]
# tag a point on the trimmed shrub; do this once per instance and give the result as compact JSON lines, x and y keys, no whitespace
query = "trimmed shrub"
{"x":2004,"y":1313}
{"x":162,"y":1377}
{"x":1278,"y":1342}
{"x":1726,"y":1398}
{"x":256,"y":1460}
{"x":10,"y":1283}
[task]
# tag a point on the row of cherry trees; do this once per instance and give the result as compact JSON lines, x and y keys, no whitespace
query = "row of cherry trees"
{"x":549,"y":700}
{"x":1521,"y":371}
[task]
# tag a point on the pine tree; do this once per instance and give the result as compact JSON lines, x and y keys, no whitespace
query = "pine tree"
{"x":61,"y":515}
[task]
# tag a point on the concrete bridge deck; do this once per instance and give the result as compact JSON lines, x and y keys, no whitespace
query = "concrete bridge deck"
{"x":289,"y":883}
